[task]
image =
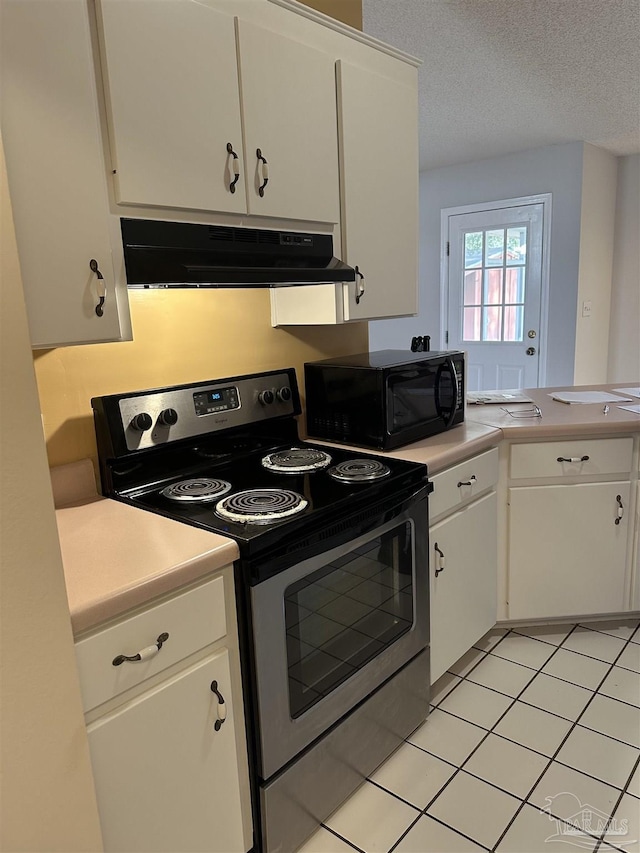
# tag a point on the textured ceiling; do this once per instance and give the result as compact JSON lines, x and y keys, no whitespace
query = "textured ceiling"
{"x":500,"y":76}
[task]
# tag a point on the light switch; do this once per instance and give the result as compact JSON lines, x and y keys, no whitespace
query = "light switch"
{"x":586,"y":308}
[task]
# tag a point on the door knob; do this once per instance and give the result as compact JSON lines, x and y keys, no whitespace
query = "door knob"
{"x":531,"y":333}
{"x":531,"y":350}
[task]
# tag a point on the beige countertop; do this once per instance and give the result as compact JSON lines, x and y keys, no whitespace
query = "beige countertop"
{"x":447,"y":448}
{"x":117,"y":557}
{"x":558,"y":419}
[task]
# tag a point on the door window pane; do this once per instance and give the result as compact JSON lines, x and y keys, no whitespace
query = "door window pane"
{"x":472,"y":287}
{"x":492,"y":325}
{"x":516,"y":245}
{"x":514,"y":291}
{"x":473,"y":249}
{"x":513,"y":320}
{"x":471,"y":324}
{"x":493,"y":287}
{"x":494,"y":248}
{"x":343,"y":615}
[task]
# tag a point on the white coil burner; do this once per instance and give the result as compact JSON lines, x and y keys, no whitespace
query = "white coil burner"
{"x":260,"y":506}
{"x":201,"y":489}
{"x":296,"y":460}
{"x":359,"y":471}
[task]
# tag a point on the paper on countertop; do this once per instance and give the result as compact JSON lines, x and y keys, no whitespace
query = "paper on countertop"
{"x":635,"y":408}
{"x":635,"y":392}
{"x":588,"y":397}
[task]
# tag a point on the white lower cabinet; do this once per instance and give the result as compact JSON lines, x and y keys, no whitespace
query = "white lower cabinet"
{"x":570,"y":528}
{"x":165,"y":779}
{"x":567,"y":554}
{"x":463,"y":547}
{"x":166,"y":727}
{"x":463,"y":593}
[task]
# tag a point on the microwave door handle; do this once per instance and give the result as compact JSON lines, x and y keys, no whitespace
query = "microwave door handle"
{"x":448,"y":364}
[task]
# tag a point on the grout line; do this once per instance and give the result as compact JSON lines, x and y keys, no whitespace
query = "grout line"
{"x":342,"y":838}
{"x":448,"y":826}
{"x":615,"y":808}
{"x":405,"y":833}
{"x":605,"y":734}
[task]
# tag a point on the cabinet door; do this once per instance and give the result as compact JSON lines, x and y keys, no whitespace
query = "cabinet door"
{"x":378,"y":133}
{"x":289,"y":112}
{"x":172,"y":103}
{"x":567,"y":556}
{"x":463,"y":595}
{"x":56,"y":174}
{"x":165,"y":779}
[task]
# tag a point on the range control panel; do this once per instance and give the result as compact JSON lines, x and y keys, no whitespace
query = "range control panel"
{"x":155,"y":418}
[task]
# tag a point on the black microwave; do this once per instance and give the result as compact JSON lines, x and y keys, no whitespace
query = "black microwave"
{"x":384,"y":399}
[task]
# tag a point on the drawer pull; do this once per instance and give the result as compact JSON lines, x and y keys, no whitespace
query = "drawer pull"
{"x":440,"y":560}
{"x":143,"y":654}
{"x":470,"y":482}
{"x":222,"y":708}
{"x":235,"y":168}
{"x":263,"y":166}
{"x":620,"y":511}
{"x":102,"y":289}
{"x":573,"y":458}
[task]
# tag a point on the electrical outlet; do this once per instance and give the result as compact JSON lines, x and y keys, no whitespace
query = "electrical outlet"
{"x":586,"y":308}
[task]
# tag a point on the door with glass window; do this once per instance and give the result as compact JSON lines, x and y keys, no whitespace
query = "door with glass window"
{"x":494,"y":295}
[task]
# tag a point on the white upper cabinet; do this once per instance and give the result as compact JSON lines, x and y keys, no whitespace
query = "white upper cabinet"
{"x":179,"y":95}
{"x":378,"y":135}
{"x":56,"y":173}
{"x":173,"y":104}
{"x":289,"y":111}
{"x":378,"y":164}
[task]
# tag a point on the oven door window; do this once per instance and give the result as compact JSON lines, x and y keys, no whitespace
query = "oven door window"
{"x":345,"y":614}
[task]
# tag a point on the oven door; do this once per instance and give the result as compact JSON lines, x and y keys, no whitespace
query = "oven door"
{"x":330,"y":630}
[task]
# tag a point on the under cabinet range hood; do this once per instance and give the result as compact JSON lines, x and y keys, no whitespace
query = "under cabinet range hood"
{"x":182,"y":254}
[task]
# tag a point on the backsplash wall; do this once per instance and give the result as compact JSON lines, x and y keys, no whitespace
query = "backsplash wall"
{"x":178,"y":336}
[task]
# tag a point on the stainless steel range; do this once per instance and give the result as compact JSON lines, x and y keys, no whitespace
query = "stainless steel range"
{"x":332,"y":580}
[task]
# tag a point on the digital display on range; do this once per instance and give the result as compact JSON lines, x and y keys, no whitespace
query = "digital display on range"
{"x":216,"y":400}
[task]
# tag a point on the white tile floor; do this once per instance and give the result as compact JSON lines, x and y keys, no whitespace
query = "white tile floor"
{"x":532,"y":746}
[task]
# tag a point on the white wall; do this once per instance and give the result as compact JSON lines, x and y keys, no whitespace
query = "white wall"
{"x":597,"y":221}
{"x":555,"y":169}
{"x":624,"y":335}
{"x":47,"y":800}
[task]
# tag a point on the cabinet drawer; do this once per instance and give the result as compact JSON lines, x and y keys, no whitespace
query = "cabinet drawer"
{"x":592,"y":456}
{"x":192,"y":620}
{"x":458,"y":485}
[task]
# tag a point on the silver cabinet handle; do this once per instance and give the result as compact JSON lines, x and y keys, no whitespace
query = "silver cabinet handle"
{"x":143,"y":654}
{"x":441,"y":561}
{"x":619,"y":511}
{"x":573,"y":459}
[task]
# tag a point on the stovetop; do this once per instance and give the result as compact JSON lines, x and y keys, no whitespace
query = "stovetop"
{"x":151,"y":441}
{"x":326,"y":498}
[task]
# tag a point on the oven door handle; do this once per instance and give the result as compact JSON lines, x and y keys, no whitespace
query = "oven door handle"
{"x":448,"y":364}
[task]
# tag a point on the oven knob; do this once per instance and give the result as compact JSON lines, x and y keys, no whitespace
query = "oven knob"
{"x":168,"y":417}
{"x":266,"y":398}
{"x":141,"y":422}
{"x":284,"y":394}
